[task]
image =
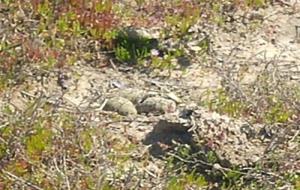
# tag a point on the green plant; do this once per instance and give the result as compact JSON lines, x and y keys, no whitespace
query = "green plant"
{"x":188,"y":14}
{"x":38,"y":142}
{"x":86,"y":140}
{"x":223,"y":103}
{"x":166,"y":62}
{"x":204,"y":45}
{"x":140,"y":3}
{"x":131,"y":47}
{"x":122,"y":54}
{"x":277,"y":112}
{"x":69,"y":25}
{"x":169,"y":61}
{"x":255,"y":3}
{"x":45,"y":10}
{"x":19,"y":167}
{"x":217,"y":17}
{"x":186,"y":180}
{"x":296,"y":181}
{"x":232,"y":179}
{"x":10,"y":64}
{"x":274,"y":110}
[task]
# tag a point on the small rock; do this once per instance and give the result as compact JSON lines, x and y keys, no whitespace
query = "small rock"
{"x":121,"y":105}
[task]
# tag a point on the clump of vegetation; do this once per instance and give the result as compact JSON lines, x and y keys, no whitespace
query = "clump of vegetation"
{"x":132,"y":47}
{"x":271,"y":107}
{"x":52,"y":148}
